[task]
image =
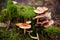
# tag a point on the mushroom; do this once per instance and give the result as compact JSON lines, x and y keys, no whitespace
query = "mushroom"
{"x":40,"y":10}
{"x":28,"y":22}
{"x":42,"y":22}
{"x":18,"y":24}
{"x":14,"y":2}
{"x":25,"y":26}
{"x":47,"y":14}
{"x":37,"y":17}
{"x":49,"y":23}
{"x":37,"y":36}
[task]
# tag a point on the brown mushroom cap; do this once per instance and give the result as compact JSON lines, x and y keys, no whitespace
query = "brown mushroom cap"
{"x":25,"y":25}
{"x":18,"y":24}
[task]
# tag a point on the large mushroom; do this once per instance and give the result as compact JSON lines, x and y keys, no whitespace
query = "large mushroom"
{"x":25,"y":26}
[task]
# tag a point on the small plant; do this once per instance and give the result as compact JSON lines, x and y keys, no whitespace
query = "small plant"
{"x":10,"y":12}
{"x":13,"y":11}
{"x":53,"y":30}
{"x":27,"y":12}
{"x":1,"y":18}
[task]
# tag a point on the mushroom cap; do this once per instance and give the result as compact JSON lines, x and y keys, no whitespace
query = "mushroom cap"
{"x":14,"y":2}
{"x":49,"y":24}
{"x":39,"y":16}
{"x":47,"y":14}
{"x":25,"y":26}
{"x":18,"y":24}
{"x":28,"y":22}
{"x":40,"y":10}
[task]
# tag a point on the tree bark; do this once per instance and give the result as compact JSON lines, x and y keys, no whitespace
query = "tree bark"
{"x":54,"y":7}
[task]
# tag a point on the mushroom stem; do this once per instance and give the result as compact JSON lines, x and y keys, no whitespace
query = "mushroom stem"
{"x":24,"y":31}
{"x":38,"y":36}
{"x":33,"y":36}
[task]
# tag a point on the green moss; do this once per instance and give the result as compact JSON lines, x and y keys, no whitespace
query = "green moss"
{"x":53,"y":30}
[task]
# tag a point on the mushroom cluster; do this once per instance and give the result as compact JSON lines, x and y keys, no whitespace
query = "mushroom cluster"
{"x":43,"y":17}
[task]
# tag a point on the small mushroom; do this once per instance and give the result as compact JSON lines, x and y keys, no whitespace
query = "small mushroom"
{"x":49,"y":24}
{"x":37,"y":36}
{"x":25,"y":26}
{"x":14,"y":2}
{"x":42,"y":22}
{"x":28,"y":22}
{"x":18,"y":24}
{"x":37,"y":17}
